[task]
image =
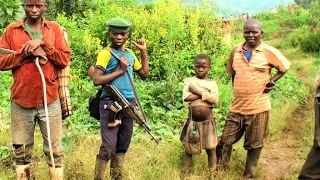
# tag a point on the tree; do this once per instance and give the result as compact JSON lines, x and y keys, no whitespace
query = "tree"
{"x":304,"y":3}
{"x":69,"y":7}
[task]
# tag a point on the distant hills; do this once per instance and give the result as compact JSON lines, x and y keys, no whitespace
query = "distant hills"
{"x":235,"y":7}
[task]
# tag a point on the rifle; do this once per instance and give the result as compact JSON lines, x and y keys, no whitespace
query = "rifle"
{"x":132,"y":87}
{"x":130,"y":109}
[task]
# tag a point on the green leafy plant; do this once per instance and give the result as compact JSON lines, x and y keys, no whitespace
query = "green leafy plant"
{"x":9,"y":12}
{"x":4,"y":152}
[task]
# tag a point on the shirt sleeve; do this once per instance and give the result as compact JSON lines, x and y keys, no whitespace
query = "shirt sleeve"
{"x":186,"y":93}
{"x":230,"y":62}
{"x":58,"y":51}
{"x":276,"y":59}
{"x":103,"y":58}
{"x":212,"y":95}
{"x":9,"y":61}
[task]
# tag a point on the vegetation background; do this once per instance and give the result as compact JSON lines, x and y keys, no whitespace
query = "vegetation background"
{"x":175,"y":33}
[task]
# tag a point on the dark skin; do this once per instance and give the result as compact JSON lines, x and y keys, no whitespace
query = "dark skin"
{"x":199,"y":113}
{"x":252,"y":33}
{"x":34,"y":10}
{"x":118,"y":39}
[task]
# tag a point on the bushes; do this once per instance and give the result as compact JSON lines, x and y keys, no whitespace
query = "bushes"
{"x":308,"y":36}
{"x":311,"y":42}
{"x":298,"y":35}
{"x":297,"y":19}
{"x":300,"y":28}
{"x":174,"y":35}
{"x":9,"y":12}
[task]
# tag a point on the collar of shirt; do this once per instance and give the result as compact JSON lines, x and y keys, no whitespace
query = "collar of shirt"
{"x":20,"y":23}
{"x":259,"y":48}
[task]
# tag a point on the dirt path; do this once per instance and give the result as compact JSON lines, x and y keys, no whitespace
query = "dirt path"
{"x":281,"y":159}
{"x":281,"y":156}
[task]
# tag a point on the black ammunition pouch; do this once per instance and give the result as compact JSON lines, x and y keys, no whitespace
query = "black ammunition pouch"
{"x":93,"y":107}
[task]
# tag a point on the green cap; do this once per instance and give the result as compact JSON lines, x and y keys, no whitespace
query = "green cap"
{"x":119,"y":24}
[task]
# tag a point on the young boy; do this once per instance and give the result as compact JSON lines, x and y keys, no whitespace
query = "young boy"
{"x":109,"y":70}
{"x":201,"y":94}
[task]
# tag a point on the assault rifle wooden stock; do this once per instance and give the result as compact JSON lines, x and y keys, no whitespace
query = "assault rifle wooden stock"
{"x":130,"y":109}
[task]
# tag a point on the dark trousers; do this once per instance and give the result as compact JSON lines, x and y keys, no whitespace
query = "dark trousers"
{"x":114,"y":139}
{"x":311,"y":168}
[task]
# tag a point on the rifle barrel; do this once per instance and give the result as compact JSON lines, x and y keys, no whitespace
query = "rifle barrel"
{"x":145,"y":126}
{"x":154,"y":138}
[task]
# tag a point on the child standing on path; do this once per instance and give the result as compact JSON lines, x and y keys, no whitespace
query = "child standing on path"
{"x":200,"y":94}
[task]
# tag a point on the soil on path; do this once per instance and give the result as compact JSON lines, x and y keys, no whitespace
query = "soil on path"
{"x":280,"y":158}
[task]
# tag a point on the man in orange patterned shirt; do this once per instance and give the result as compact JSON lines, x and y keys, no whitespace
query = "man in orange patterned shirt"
{"x":250,"y":66}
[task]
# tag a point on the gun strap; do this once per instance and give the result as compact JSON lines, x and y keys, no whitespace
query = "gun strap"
{"x":132,"y":87}
{"x":114,"y":69}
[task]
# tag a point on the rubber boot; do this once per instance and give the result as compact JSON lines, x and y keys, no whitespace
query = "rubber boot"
{"x":116,"y":166}
{"x":212,"y":162}
{"x":219,"y":153}
{"x":100,"y":169}
{"x":56,"y":173}
{"x":251,"y":163}
{"x":23,"y":172}
{"x":223,"y":153}
{"x":187,"y":163}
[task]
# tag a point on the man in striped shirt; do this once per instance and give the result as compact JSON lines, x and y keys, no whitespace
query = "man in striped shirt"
{"x":250,"y":65}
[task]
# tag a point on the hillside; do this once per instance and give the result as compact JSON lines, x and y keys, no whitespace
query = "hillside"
{"x":236,"y":7}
